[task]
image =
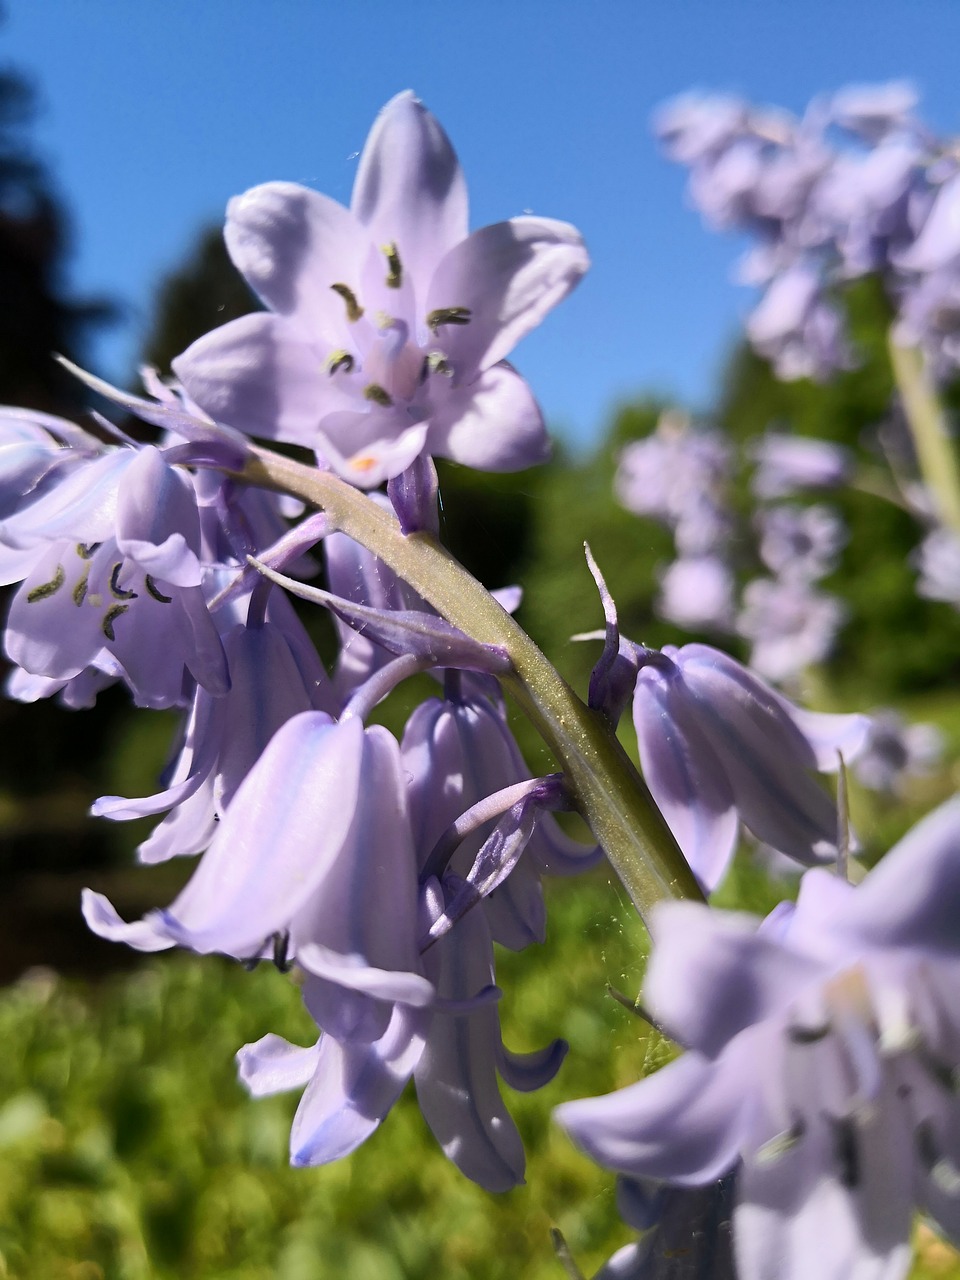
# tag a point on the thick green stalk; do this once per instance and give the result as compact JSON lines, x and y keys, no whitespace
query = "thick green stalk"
{"x":928,"y":426}
{"x":607,"y":789}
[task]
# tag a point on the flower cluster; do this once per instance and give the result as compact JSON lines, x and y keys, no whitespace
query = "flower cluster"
{"x":857,"y":185}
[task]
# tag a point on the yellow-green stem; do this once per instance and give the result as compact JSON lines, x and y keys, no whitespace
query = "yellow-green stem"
{"x":928,"y":426}
{"x":603,"y":782}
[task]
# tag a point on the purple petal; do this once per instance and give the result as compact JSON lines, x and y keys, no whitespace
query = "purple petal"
{"x":286,"y":825}
{"x":684,"y":1124}
{"x":409,"y":188}
{"x":493,"y":424}
{"x":353,"y":1088}
{"x":143,"y":935}
{"x":262,"y":376}
{"x":684,"y":775}
{"x":376,"y":455}
{"x":457,"y":1075}
{"x":292,"y":245}
{"x":273,"y":1065}
{"x":353,"y":972}
{"x":912,"y":896}
{"x":712,"y":974}
{"x":526,"y":1072}
{"x":158,"y":525}
{"x":508,"y":275}
{"x":764,"y":754}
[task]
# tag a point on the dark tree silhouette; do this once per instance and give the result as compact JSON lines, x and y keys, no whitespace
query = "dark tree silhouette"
{"x":36,"y":317}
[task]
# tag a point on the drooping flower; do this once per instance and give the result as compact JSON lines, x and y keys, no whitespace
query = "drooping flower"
{"x":388,"y":322}
{"x":718,"y":746}
{"x":456,"y":752}
{"x":822,"y":1048}
{"x":895,"y":750}
{"x":800,"y":543}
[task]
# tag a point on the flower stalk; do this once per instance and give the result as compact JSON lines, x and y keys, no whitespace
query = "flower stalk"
{"x":928,"y":427}
{"x":602,"y":780}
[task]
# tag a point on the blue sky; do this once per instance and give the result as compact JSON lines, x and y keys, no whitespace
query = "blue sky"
{"x":157,"y":111}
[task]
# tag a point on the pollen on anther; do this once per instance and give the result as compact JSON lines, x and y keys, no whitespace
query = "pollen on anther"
{"x":47,"y":589}
{"x":395,"y":273}
{"x":354,"y":309}
{"x":379,"y":395}
{"x":110,"y":617}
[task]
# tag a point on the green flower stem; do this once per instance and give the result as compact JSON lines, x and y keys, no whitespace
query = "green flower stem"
{"x":606,"y":788}
{"x":928,"y":426}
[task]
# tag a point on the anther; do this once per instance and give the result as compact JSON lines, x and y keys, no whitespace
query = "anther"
{"x":354,"y":309}
{"x":155,"y":591}
{"x":116,"y":590}
{"x":338,"y":360}
{"x":86,"y":550}
{"x":80,"y":591}
{"x":378,"y":394}
{"x":845,"y":1150}
{"x":448,"y":315}
{"x":395,"y":274}
{"x":808,"y":1035}
{"x":110,"y":617}
{"x":47,"y":589}
{"x":436,"y":362}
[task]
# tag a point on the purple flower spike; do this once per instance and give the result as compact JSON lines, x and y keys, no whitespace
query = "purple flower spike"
{"x":822,"y":1051}
{"x":718,"y":747}
{"x":388,"y":322}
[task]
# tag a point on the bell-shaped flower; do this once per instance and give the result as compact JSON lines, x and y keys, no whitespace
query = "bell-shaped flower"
{"x":452,"y":1048}
{"x":719,"y":747}
{"x":275,"y":673}
{"x":315,"y":850}
{"x":823,"y":1047}
{"x":388,"y":323}
{"x":109,"y":557}
{"x":456,"y":751}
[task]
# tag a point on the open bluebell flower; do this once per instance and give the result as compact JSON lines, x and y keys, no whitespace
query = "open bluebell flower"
{"x":388,"y":322}
{"x":110,"y":561}
{"x":791,"y":625}
{"x":823,"y":1049}
{"x":786,"y":463}
{"x":719,"y":747}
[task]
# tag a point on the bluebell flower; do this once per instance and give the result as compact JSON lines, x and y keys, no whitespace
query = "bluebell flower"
{"x":822,"y":1051}
{"x":719,"y":747}
{"x":388,"y":323}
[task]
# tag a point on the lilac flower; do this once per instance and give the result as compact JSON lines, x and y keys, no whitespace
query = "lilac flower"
{"x":797,"y":328}
{"x":453,"y":1050}
{"x":821,"y":1049}
{"x":456,"y":752}
{"x":110,"y":561}
{"x":895,"y":750}
{"x":300,"y":856}
{"x":719,"y":747}
{"x":677,"y":475}
{"x":786,"y":463}
{"x":275,"y":674}
{"x":938,"y":559}
{"x":388,"y":322}
{"x":697,"y":592}
{"x":792,"y":626}
{"x":800,"y":543}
